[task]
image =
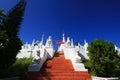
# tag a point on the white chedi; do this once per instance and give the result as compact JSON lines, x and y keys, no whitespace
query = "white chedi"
{"x":49,"y":42}
{"x":62,"y":46}
{"x":65,"y":44}
{"x":49,"y":47}
{"x":68,"y":42}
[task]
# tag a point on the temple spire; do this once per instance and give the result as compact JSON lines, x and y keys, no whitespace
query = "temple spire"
{"x":33,"y":42}
{"x":42,"y":39}
{"x":72,"y":45}
{"x":63,"y":35}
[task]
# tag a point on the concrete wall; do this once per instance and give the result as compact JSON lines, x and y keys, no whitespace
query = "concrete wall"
{"x":103,"y":78}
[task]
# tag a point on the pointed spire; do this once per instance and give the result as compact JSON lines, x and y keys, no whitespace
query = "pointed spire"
{"x":42,"y":39}
{"x":85,"y":41}
{"x":72,"y":45}
{"x":63,"y":35}
{"x":68,"y":39}
{"x":68,"y":42}
{"x":49,"y":42}
{"x":33,"y":42}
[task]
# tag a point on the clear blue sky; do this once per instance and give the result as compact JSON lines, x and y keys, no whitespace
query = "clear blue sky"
{"x":78,"y":19}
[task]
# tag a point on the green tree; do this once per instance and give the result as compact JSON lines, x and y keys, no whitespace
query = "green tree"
{"x":14,"y":18}
{"x":3,"y":36}
{"x":10,"y":43}
{"x":104,"y":59}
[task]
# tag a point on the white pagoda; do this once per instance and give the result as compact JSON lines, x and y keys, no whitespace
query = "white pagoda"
{"x":41,"y":52}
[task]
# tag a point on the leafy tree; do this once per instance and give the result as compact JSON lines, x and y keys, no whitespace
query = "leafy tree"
{"x":10,"y":43}
{"x":104,"y":59}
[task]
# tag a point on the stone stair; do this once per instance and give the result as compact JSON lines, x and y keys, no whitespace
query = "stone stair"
{"x":57,"y":69}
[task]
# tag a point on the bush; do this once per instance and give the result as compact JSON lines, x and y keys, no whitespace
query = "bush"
{"x":104,"y":61}
{"x":19,"y":68}
{"x":87,"y":63}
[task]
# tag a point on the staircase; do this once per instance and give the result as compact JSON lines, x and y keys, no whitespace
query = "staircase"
{"x":57,"y":69}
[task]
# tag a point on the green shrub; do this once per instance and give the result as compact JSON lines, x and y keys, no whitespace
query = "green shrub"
{"x":87,"y":64}
{"x":19,"y":68}
{"x":103,"y":59}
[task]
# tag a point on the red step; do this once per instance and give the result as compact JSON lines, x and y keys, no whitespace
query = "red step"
{"x":57,"y":69}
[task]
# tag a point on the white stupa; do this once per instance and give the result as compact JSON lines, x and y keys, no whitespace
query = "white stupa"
{"x":62,"y":46}
{"x":41,"y":52}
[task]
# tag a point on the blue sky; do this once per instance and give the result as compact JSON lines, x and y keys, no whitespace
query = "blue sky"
{"x":78,"y":19}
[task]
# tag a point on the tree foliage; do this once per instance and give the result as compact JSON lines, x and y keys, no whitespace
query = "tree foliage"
{"x":2,"y":16}
{"x":104,"y":59}
{"x":10,"y":43}
{"x":14,"y":18}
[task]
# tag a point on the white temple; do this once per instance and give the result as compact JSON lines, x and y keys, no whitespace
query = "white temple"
{"x":38,"y":51}
{"x":41,"y":52}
